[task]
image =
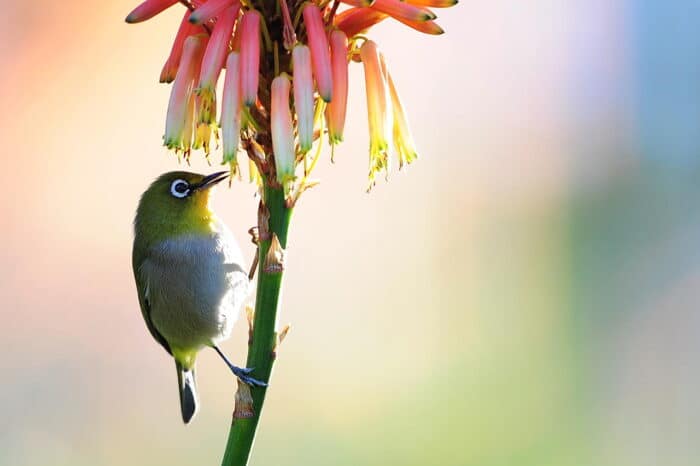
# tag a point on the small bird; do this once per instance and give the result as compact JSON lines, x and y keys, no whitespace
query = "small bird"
{"x":189,"y":273}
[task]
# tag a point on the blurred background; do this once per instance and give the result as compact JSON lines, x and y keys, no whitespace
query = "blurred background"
{"x":525,"y":294}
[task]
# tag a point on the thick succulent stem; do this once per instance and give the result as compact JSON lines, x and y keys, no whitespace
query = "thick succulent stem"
{"x":273,"y":224}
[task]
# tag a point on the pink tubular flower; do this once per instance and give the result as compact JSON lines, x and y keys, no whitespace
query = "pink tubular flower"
{"x":398,"y":9}
{"x":282,"y":131}
{"x":303,"y":96}
{"x":231,"y":109}
{"x":357,"y":20}
{"x":250,"y":56}
{"x":209,"y":10}
{"x":320,"y":55}
{"x":213,"y":61}
{"x":335,"y":112}
{"x":378,"y":110}
{"x":182,"y":92}
{"x":148,"y":10}
{"x":403,"y":141}
{"x":186,"y":29}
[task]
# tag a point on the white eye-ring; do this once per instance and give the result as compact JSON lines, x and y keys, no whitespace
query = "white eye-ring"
{"x":180,"y":188}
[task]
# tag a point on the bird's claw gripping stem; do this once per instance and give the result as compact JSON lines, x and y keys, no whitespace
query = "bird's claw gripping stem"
{"x":243,"y":373}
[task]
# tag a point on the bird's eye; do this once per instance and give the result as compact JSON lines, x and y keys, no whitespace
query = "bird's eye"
{"x":180,"y":188}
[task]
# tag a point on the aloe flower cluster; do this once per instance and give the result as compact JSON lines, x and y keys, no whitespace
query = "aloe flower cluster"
{"x":286,"y":81}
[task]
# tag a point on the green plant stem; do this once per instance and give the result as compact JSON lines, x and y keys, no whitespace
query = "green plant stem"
{"x":261,"y":350}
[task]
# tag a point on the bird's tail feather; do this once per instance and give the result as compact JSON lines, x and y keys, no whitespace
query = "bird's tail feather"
{"x":188,"y":392}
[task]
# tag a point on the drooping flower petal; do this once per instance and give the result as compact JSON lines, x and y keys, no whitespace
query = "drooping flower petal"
{"x":186,"y":29}
{"x":250,"y":56}
{"x":357,"y":20}
{"x":335,"y":112}
{"x":182,"y":90}
{"x":209,"y":10}
{"x":231,"y":109}
{"x":148,"y":10}
{"x":378,"y":110}
{"x":303,"y":96}
{"x":320,"y":54}
{"x":282,"y":131}
{"x":403,"y":141}
{"x":433,"y":3}
{"x":398,"y":9}
{"x":213,"y":61}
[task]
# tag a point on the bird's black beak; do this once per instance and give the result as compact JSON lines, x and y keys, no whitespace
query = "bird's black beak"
{"x":211,"y":180}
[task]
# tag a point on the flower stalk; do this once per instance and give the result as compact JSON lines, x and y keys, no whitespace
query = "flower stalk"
{"x":273,"y":222}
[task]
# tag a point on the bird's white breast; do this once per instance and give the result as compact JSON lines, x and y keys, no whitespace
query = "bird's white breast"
{"x":195,"y":286}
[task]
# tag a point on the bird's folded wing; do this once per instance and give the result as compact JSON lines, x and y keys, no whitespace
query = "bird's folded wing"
{"x":142,"y":288}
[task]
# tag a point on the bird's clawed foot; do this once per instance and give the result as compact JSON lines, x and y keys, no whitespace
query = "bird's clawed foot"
{"x":243,"y":373}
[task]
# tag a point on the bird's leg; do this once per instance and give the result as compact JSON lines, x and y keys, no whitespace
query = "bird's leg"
{"x":243,"y":373}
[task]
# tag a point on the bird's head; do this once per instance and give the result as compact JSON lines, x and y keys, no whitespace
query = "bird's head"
{"x":175,"y":204}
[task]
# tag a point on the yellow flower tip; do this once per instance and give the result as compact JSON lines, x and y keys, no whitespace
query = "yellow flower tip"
{"x":336,"y":139}
{"x":404,"y":146}
{"x":202,"y":138}
{"x":206,"y":105}
{"x":234,"y":170}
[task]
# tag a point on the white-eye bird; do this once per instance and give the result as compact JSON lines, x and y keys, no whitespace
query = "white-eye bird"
{"x":190,"y":275}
